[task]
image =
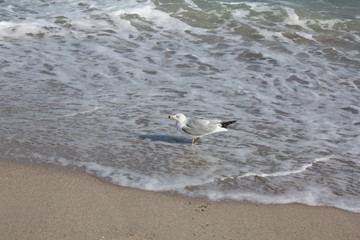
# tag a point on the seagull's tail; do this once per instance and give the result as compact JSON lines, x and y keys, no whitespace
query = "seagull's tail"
{"x":226,"y":124}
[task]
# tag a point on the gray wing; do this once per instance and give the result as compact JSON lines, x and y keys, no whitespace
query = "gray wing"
{"x":199,"y":127}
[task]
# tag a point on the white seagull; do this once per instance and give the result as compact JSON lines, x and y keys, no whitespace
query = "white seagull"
{"x":197,"y":128}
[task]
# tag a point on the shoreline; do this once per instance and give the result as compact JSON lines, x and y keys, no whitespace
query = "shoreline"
{"x":41,"y":203}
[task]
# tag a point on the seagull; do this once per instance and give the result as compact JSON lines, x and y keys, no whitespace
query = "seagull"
{"x":197,"y":128}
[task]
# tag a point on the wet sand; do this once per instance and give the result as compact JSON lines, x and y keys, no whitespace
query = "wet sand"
{"x":40,"y":203}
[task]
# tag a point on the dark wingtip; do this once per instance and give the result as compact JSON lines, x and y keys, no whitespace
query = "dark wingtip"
{"x":226,"y":124}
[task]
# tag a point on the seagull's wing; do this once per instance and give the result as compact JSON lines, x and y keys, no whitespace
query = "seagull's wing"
{"x":200,"y":127}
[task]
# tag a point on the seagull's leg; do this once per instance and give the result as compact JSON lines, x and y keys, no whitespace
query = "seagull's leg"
{"x":194,"y":140}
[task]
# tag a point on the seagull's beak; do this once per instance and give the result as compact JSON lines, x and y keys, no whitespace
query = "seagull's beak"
{"x":173,"y":117}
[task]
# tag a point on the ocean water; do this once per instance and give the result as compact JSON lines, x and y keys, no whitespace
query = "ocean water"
{"x":88,"y":86}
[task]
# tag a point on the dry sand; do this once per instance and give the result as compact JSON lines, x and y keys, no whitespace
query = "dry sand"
{"x":39,"y":203}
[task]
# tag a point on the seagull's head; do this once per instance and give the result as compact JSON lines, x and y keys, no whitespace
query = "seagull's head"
{"x":179,"y":117}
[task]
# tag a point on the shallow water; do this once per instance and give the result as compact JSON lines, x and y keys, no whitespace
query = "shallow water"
{"x":88,"y":86}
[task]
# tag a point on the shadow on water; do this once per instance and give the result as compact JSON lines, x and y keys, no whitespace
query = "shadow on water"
{"x":166,"y":138}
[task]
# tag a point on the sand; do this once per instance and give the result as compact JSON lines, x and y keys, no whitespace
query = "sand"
{"x":40,"y":203}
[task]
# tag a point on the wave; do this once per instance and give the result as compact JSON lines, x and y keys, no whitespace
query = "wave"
{"x":277,"y":174}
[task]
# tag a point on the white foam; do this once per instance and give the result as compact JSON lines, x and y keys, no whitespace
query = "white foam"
{"x":277,"y":174}
{"x":272,"y":35}
{"x":259,"y":7}
{"x":309,"y":36}
{"x":19,"y":30}
{"x":192,"y":5}
{"x":293,"y":19}
{"x":158,"y":18}
{"x":129,"y":178}
{"x":240,"y":14}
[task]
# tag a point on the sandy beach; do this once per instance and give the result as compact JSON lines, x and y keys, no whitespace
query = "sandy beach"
{"x":40,"y":203}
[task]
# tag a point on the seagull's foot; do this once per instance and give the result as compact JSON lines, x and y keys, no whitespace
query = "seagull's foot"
{"x":194,"y":140}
